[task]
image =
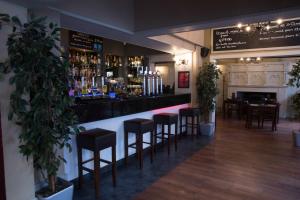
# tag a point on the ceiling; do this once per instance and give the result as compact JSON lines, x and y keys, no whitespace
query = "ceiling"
{"x":146,"y":23}
{"x":164,"y":14}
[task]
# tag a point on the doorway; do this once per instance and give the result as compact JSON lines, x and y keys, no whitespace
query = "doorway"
{"x":167,"y":71}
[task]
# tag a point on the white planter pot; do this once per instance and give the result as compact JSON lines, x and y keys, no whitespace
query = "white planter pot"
{"x":65,"y":194}
{"x":296,"y":138}
{"x":207,"y":129}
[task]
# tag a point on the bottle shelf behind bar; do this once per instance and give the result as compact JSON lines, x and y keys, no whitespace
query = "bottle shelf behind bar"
{"x":85,"y":72}
{"x":113,"y":63}
{"x":135,"y":72}
{"x":95,"y":74}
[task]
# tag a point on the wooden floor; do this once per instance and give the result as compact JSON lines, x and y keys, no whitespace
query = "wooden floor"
{"x":239,"y":164}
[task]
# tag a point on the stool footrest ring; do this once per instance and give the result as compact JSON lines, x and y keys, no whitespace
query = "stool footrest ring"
{"x":92,"y":159}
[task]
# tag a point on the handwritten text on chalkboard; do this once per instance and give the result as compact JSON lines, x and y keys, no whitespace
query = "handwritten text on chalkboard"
{"x":234,"y":38}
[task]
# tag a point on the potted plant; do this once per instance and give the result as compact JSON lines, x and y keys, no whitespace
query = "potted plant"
{"x":40,"y":103}
{"x":294,"y":81}
{"x":207,"y":91}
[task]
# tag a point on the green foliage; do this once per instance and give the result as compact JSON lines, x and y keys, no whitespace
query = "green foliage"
{"x":294,"y":74}
{"x":294,"y":81}
{"x":296,"y":105}
{"x":207,"y":89}
{"x":40,"y":103}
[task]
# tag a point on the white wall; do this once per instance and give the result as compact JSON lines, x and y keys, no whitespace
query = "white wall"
{"x":221,"y":84}
{"x":188,"y":57}
{"x":18,"y":171}
{"x":160,"y":58}
{"x":167,"y":71}
{"x":196,"y":37}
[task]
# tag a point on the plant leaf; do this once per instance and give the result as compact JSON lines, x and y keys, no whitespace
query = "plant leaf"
{"x":4,"y":18}
{"x":16,"y":20}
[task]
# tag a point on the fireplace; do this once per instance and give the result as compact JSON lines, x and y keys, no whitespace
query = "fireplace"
{"x":257,"y":97}
{"x":256,"y":83}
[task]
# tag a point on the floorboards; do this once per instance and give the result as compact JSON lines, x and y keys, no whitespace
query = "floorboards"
{"x":239,"y":164}
{"x":131,"y":180}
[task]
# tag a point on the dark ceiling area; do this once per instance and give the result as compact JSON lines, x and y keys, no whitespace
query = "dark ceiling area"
{"x":156,"y":14}
{"x":143,"y":15}
{"x":136,"y":21}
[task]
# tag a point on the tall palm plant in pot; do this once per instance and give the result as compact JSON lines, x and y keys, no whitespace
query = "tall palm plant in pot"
{"x":207,"y":91}
{"x":40,"y":103}
{"x":294,"y":81}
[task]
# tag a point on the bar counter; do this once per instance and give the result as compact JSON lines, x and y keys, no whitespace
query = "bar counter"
{"x":110,"y":114}
{"x":93,"y":109}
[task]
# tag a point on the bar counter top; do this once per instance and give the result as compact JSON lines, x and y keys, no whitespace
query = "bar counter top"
{"x":94,"y":109}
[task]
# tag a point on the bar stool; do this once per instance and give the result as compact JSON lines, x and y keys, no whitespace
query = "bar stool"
{"x":139,"y":127}
{"x":189,"y":113}
{"x":165,"y":119}
{"x":96,"y":140}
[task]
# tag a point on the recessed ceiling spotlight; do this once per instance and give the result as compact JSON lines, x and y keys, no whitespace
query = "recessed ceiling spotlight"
{"x":239,"y":25}
{"x":248,"y":29}
{"x":241,"y":59}
{"x":279,"y":21}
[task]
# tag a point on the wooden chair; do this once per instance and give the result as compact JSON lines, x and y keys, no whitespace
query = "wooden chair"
{"x":270,"y":113}
{"x":230,"y":106}
{"x":253,"y":112}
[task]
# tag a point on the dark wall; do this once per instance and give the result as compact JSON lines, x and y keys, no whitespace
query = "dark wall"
{"x":114,"y":47}
{"x":64,"y":38}
{"x":116,"y":13}
{"x":157,"y":13}
{"x":134,"y":50}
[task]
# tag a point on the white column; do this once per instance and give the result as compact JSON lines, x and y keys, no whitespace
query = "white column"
{"x":197,"y":62}
{"x":19,"y":173}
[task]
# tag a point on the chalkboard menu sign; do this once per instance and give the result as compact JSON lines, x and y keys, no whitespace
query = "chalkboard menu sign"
{"x":85,"y":41}
{"x":234,"y":38}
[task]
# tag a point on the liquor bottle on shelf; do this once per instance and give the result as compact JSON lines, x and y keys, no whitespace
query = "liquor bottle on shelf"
{"x":108,"y":62}
{"x":77,"y":57}
{"x":120,"y":62}
{"x":98,"y":59}
{"x":81,"y":58}
{"x":85,"y":68}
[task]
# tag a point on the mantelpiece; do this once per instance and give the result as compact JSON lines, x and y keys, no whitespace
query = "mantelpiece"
{"x":262,"y":77}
